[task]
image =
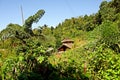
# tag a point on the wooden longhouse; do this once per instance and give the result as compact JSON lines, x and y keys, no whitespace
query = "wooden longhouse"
{"x":66,"y":44}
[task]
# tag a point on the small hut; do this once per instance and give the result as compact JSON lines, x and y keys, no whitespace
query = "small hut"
{"x":66,"y":44}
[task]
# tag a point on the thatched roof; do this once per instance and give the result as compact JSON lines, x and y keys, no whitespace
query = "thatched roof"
{"x":66,"y":45}
{"x":67,"y":40}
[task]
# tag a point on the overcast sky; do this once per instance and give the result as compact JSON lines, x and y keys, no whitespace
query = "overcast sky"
{"x":56,"y":11}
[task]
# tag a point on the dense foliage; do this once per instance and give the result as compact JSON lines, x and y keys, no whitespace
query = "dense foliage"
{"x":31,"y":54}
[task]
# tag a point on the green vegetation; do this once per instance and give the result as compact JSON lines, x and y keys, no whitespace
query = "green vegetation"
{"x":25,"y":54}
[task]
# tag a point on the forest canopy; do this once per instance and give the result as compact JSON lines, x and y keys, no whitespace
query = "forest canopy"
{"x":32,"y":54}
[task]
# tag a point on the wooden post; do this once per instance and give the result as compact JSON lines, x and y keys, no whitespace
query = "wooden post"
{"x":85,"y":67}
{"x":22,"y":15}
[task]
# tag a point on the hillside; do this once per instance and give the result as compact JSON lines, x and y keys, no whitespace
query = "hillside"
{"x":25,"y":55}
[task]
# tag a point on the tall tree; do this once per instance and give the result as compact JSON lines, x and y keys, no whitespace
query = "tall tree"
{"x":116,"y":5}
{"x":35,"y":18}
